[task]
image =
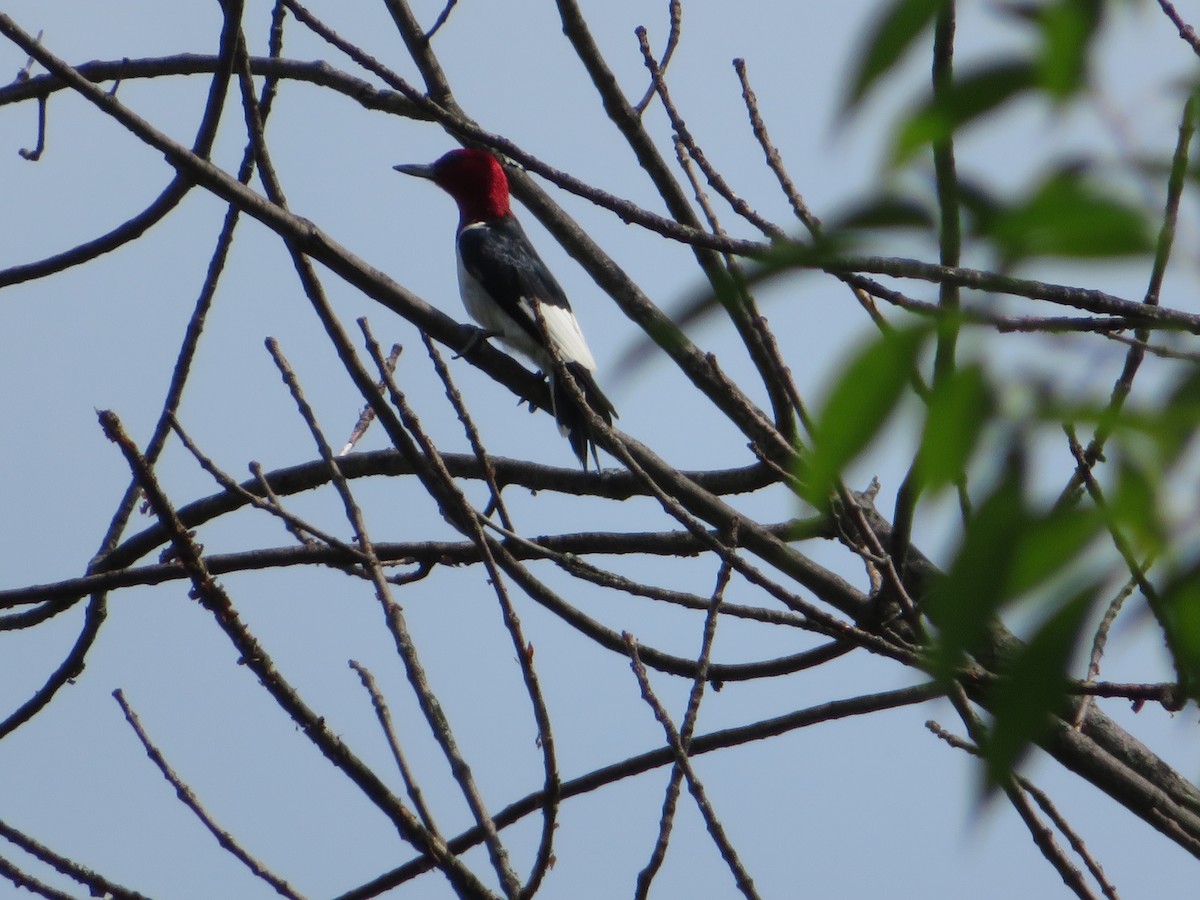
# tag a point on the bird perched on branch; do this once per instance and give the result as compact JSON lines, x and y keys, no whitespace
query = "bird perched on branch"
{"x":508,"y":290}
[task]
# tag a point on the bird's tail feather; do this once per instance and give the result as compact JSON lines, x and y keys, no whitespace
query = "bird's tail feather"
{"x":572,"y":421}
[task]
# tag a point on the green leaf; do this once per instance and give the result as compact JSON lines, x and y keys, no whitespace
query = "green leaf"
{"x":888,"y":211}
{"x":1180,"y":618}
{"x":1008,"y":550}
{"x":895,"y":31}
{"x":1134,"y":506}
{"x":967,"y":98}
{"x":1049,"y":543}
{"x":1067,"y":29}
{"x":1165,"y":432}
{"x":780,"y":259}
{"x":958,"y":409}
{"x":980,"y":204}
{"x":1024,"y":13}
{"x":1180,"y":416}
{"x":859,"y":405}
{"x":964,"y":602}
{"x":1068,"y":216}
{"x":1033,"y":687}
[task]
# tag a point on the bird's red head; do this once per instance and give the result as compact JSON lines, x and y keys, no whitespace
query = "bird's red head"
{"x":474,"y":178}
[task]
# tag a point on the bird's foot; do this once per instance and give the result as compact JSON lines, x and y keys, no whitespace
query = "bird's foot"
{"x":478,"y":336}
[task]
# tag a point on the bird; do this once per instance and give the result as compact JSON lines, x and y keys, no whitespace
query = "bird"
{"x":510,"y":292}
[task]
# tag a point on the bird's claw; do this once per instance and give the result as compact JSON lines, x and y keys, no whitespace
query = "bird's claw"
{"x":478,"y":336}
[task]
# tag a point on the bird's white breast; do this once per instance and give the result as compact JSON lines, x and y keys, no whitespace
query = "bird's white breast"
{"x":561,"y":325}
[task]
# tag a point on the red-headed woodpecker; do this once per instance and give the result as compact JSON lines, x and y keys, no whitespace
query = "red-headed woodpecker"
{"x":508,"y":290}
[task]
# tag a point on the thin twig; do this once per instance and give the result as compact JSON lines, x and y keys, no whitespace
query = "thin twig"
{"x":420,"y":51}
{"x":653,"y":759}
{"x":411,"y":785}
{"x":451,"y":500}
{"x":430,"y":706}
{"x":774,"y":160}
{"x":441,"y":20}
{"x":743,"y":316}
{"x":1099,"y":641}
{"x":1186,"y":31}
{"x":946,"y":178}
{"x":867,"y":289}
{"x":365,"y":60}
{"x":214,"y":598}
{"x":188,"y":798}
{"x":36,"y":153}
{"x":73,"y":663}
{"x":24,"y":72}
{"x":1168,"y":694}
{"x":22,"y":879}
{"x":1048,"y":807}
{"x":459,"y":876}
{"x":1137,"y":347}
{"x":685,"y":136}
{"x":1043,"y":838}
{"x":646,"y":875}
{"x":742,"y":309}
{"x":460,"y":409}
{"x":744,"y":882}
{"x":647,"y":466}
{"x":22,"y":76}
{"x":1076,"y":842}
{"x":297,"y":526}
{"x":675,"y":16}
{"x":949,"y":302}
{"x":368,"y":414}
{"x":97,"y":885}
{"x":1087,"y":299}
{"x":1136,"y":569}
{"x":302,"y":535}
{"x":1160,"y":350}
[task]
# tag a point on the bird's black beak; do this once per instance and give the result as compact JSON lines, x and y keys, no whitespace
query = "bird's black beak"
{"x":413,"y":169}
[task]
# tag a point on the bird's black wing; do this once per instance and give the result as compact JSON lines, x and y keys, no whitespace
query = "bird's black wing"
{"x":501,"y":258}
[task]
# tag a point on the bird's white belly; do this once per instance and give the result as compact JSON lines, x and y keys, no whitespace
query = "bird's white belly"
{"x":491,"y":317}
{"x":560,"y":324}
